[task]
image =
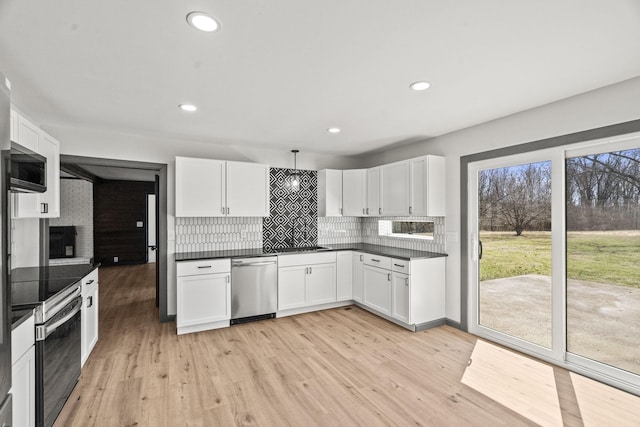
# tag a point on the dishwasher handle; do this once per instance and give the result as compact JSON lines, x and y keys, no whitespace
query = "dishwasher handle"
{"x":251,"y":264}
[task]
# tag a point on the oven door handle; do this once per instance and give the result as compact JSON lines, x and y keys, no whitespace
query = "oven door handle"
{"x":49,"y":329}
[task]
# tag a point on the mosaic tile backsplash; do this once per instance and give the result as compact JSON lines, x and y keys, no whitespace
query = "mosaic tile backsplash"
{"x":294,"y":214}
{"x":217,"y":234}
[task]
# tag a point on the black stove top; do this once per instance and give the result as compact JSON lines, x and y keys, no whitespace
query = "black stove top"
{"x":32,"y":285}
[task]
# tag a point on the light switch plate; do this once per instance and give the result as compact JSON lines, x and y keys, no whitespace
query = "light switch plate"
{"x":139,"y":224}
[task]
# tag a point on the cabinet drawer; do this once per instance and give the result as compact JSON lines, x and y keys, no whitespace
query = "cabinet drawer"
{"x":22,"y":338}
{"x":377,"y":261}
{"x":205,"y":266}
{"x":306,"y":259}
{"x":400,"y":265}
{"x":90,"y":278}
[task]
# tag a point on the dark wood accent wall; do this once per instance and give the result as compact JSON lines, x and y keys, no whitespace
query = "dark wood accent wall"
{"x":117,"y":207}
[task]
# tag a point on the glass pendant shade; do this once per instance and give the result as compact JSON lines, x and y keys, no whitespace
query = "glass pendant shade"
{"x":294,"y":178}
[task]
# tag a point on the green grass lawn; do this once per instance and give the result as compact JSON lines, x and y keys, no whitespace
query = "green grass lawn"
{"x":602,"y":257}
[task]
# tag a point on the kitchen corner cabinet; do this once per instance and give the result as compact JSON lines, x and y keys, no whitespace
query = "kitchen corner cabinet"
{"x":89,"y":314}
{"x":23,"y":372}
{"x":354,"y":192}
{"x":38,"y":205}
{"x":344,"y":276}
{"x":330,"y":192}
{"x":203,"y":295}
{"x":213,"y":188}
{"x":306,"y":280}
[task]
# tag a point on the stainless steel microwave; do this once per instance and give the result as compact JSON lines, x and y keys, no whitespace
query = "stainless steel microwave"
{"x":28,"y":170}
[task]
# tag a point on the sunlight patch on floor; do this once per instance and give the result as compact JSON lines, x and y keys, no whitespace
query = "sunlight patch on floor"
{"x":519,"y":383}
{"x":602,"y":405}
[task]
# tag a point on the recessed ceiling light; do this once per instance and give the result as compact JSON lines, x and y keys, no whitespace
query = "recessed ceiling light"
{"x":202,"y":21}
{"x":333,"y":130}
{"x":420,"y":85}
{"x":188,"y":107}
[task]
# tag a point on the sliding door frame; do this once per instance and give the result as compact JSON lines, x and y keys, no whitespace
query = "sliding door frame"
{"x":558,"y":354}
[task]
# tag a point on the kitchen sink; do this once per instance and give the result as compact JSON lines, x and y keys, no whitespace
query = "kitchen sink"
{"x":302,"y":249}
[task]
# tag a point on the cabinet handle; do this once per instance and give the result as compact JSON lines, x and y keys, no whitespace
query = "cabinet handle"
{"x":204,"y":266}
{"x":361,"y":257}
{"x":228,"y":278}
{"x":227,"y":211}
{"x":406,"y":281}
{"x":44,"y":208}
{"x":340,"y":211}
{"x":379,"y":211}
{"x":367,"y":211}
{"x":410,"y":210}
{"x":222,"y":209}
{"x":375,"y":260}
{"x":90,"y":282}
{"x":389,"y":277}
{"x":90,"y":301}
{"x":399,"y":265}
{"x":310,"y":270}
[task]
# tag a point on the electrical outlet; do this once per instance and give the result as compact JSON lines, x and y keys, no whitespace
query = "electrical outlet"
{"x":115,"y":259}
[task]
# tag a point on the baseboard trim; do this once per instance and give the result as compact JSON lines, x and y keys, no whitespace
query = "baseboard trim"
{"x":430,"y":324}
{"x":301,"y":310}
{"x":453,"y":324}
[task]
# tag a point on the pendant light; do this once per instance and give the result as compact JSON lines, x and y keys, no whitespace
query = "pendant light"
{"x":294,"y":179}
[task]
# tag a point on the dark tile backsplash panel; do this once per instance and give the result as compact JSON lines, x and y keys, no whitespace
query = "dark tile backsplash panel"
{"x":294,"y":214}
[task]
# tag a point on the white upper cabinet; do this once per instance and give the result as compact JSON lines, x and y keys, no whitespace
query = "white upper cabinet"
{"x":208,"y":188}
{"x":394,"y":188}
{"x":329,"y":192}
{"x":247,"y":189}
{"x":200,"y":187}
{"x":37,"y":205}
{"x":373,"y":192}
{"x":427,"y":197}
{"x":354,"y":192}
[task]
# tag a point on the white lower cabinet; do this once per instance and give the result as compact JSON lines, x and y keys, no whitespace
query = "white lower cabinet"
{"x":377,"y":289}
{"x":23,"y":372}
{"x":344,"y":276}
{"x":203,"y":295}
{"x":358,"y":276}
{"x":400,"y":294}
{"x":89,"y":315}
{"x":306,"y":280}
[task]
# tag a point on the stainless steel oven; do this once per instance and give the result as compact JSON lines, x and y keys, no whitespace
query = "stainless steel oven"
{"x":58,"y":348}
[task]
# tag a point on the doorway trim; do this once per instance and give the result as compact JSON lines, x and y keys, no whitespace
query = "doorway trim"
{"x":162,"y":255}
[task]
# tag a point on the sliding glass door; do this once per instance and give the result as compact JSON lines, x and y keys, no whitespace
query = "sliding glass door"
{"x":554,"y":266}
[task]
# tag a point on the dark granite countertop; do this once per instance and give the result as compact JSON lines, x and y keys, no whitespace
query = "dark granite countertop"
{"x":54,"y":272}
{"x":389,"y":251}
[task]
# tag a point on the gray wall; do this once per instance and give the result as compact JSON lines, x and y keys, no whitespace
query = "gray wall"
{"x":609,"y":105}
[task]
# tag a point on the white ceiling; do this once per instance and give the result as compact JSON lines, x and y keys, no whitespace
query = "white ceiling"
{"x":279,"y":73}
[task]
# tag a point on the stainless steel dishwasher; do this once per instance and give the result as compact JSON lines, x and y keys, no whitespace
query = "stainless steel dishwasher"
{"x":254,"y":289}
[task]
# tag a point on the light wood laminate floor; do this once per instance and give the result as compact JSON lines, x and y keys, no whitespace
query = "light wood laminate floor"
{"x":338,"y":367}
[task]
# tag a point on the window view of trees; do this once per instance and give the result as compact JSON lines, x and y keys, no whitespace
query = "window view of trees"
{"x":603,"y":191}
{"x":516,"y":198}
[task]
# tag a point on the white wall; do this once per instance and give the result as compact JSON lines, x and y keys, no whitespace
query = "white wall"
{"x":79,"y":141}
{"x":613,"y":104}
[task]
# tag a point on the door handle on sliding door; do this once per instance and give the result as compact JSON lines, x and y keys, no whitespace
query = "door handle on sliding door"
{"x":479,"y":249}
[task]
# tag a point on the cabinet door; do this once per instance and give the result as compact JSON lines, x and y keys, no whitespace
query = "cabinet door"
{"x":321,"y":284}
{"x":394,"y":194}
{"x":247,"y":189}
{"x":377,"y":289}
{"x":89,"y":322}
{"x":329,"y":192}
{"x":354,"y":192}
{"x":23,"y":389}
{"x":50,"y":199}
{"x":344,"y":276}
{"x":358,"y":277}
{"x":373,"y":192}
{"x":203,"y":299}
{"x":28,"y":134}
{"x":400,"y":297}
{"x":200,"y":187}
{"x":418,"y":203}
{"x":292,"y":292}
